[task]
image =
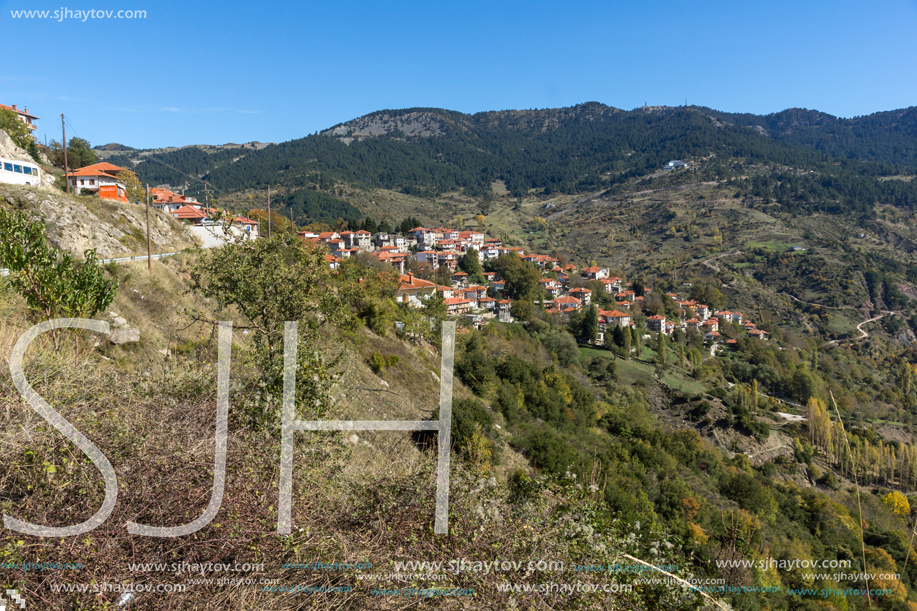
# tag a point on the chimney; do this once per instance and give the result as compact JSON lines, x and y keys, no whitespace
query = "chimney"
{"x":14,"y":107}
{"x":26,"y":110}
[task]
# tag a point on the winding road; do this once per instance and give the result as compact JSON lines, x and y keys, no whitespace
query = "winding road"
{"x":863,"y":334}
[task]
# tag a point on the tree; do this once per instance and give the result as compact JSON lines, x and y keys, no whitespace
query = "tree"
{"x":266,"y":283}
{"x":135,"y":191}
{"x":621,"y":337}
{"x":52,"y":284}
{"x":661,"y":350}
{"x":442,"y":275}
{"x":897,"y":502}
{"x":637,"y":337}
{"x":590,"y":326}
{"x":19,"y":133}
{"x":370,"y":225}
{"x":79,"y":154}
{"x":471,"y":263}
{"x":521,"y":309}
{"x":521,"y":278}
{"x":368,"y":285}
{"x":480,"y":218}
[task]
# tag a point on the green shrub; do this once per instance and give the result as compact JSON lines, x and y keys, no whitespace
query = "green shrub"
{"x":53,"y":285}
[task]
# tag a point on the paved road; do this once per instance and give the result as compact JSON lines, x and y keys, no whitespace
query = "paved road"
{"x":6,"y":272}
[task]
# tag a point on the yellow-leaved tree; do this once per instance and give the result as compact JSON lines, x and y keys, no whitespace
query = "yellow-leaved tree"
{"x":897,"y":502}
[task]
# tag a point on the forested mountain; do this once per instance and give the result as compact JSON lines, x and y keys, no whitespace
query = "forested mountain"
{"x":885,"y":137}
{"x":815,"y":161}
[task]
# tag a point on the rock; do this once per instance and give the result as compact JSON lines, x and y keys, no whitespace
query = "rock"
{"x":124,"y":335}
{"x":118,"y":322}
{"x":353,"y":439}
{"x":9,"y":150}
{"x":165,"y":352}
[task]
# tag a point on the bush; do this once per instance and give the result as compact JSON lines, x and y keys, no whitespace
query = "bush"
{"x":52,"y":284}
{"x":378,"y":362}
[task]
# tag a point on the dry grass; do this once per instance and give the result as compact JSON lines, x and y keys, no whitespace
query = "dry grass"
{"x":365,"y":502}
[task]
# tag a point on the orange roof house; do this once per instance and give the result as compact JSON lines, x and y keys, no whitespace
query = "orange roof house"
{"x":23,"y":115}
{"x":412,"y":290}
{"x":100,"y":179}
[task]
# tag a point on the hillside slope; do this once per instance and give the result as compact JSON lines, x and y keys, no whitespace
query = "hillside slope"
{"x":113,"y":228}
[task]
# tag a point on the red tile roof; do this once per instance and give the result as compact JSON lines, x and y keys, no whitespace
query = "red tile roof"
{"x":188,"y":212}
{"x":410,"y":282}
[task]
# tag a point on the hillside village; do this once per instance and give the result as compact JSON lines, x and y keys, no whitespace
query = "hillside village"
{"x":683,"y":446}
{"x":480,"y":298}
{"x":474,"y":300}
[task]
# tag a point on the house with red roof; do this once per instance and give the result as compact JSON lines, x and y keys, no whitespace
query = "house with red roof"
{"x":413,"y":290}
{"x":456,"y":306}
{"x":567,"y":303}
{"x":23,"y":115}
{"x":167,"y":201}
{"x":656,"y":323}
{"x":595,"y":273}
{"x":99,"y":179}
{"x":584,"y":295}
{"x":615,"y":318}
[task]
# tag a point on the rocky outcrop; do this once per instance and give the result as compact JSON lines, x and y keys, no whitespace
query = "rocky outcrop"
{"x":113,"y":228}
{"x":9,"y":150}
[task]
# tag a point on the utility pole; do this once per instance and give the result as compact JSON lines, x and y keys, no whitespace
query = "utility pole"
{"x":206,"y":195}
{"x":292,"y":227}
{"x":149,"y":248}
{"x":66,"y":169}
{"x":269,"y":212}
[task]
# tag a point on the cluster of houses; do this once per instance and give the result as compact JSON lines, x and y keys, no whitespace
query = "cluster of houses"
{"x":478,"y":303}
{"x":434,"y":247}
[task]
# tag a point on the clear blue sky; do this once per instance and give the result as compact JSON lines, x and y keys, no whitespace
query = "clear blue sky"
{"x":244,"y":71}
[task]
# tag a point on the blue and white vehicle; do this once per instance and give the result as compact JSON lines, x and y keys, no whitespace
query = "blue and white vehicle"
{"x":19,"y":172}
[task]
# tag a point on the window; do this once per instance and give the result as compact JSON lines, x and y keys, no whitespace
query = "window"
{"x":8,"y":167}
{"x":92,"y":181}
{"x":27,"y":170}
{"x":82,"y":182}
{"x":17,"y":169}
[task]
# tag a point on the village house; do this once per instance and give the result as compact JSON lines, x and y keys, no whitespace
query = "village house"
{"x":23,"y":116}
{"x":99,"y":179}
{"x":167,"y":201}
{"x":449,"y":259}
{"x":190,"y":215}
{"x":550,"y":286}
{"x":711,"y":324}
{"x":413,"y":290}
{"x":567,"y":303}
{"x":456,"y":306}
{"x":429,"y":257}
{"x":656,"y":323}
{"x":357,"y":239}
{"x":395,"y":259}
{"x":584,"y":295}
{"x":595,"y":273}
{"x":333,"y":262}
{"x":729,"y":316}
{"x":614,"y":318}
{"x":382,"y":240}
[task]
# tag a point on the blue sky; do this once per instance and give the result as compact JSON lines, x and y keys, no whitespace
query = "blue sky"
{"x":239,"y":72}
